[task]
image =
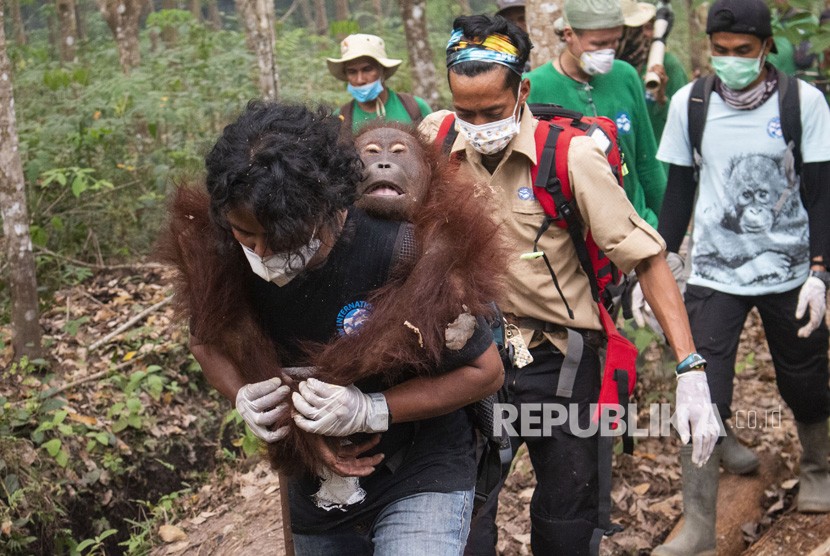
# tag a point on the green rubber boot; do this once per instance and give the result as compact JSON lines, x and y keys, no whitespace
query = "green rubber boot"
{"x":737,"y":458}
{"x":700,"y":498}
{"x":813,"y":479}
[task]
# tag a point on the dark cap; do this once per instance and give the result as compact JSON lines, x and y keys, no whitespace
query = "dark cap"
{"x":748,"y":17}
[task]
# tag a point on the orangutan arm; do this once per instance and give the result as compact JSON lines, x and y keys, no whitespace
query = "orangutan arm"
{"x":219,"y":371}
{"x":425,"y":397}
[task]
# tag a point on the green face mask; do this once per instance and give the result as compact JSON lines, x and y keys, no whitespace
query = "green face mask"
{"x":737,"y":72}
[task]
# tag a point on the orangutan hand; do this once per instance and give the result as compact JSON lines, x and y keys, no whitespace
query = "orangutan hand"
{"x":343,"y":459}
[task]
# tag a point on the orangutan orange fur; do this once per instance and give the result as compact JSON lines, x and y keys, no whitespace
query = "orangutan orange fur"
{"x":460,"y":262}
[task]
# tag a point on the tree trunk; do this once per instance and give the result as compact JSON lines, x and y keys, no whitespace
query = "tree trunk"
{"x":308,"y":17}
{"x":698,"y":43}
{"x":122,"y":17}
{"x":322,"y":19}
{"x":68,"y":25}
{"x":17,"y":22}
{"x":258,"y":20}
{"x":80,"y":20}
{"x":425,"y":84}
{"x":377,"y":6}
{"x":54,"y":33}
{"x":465,"y":8}
{"x":540,"y":15}
{"x":342,"y":10}
{"x":26,"y":334}
{"x":169,"y":34}
{"x":196,"y":9}
{"x":214,"y":15}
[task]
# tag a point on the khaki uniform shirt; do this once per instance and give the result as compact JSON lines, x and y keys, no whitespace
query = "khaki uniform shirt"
{"x":603,"y":207}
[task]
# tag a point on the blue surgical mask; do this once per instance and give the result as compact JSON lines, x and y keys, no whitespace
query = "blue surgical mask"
{"x":366,"y":93}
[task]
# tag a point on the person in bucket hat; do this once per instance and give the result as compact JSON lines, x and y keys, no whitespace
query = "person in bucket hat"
{"x":514,"y":11}
{"x":364,"y":65}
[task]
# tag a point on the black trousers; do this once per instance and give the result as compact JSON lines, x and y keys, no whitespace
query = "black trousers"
{"x":801,"y":367}
{"x":563,"y":509}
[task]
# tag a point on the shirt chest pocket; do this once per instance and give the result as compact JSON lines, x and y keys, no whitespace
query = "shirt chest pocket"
{"x":524,"y":202}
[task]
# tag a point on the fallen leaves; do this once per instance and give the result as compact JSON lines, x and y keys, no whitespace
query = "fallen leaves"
{"x":171,"y":534}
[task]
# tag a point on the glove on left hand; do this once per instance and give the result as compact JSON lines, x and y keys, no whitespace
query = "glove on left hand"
{"x":694,"y":405}
{"x":813,"y":294}
{"x":333,"y":410}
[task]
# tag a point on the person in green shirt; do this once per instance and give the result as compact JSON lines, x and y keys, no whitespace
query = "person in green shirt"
{"x":363,"y":64}
{"x":586,"y":77}
{"x":784,"y":59}
{"x":634,"y":48}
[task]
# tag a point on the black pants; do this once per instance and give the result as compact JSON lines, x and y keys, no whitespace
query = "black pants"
{"x":801,"y":369}
{"x":563,"y":509}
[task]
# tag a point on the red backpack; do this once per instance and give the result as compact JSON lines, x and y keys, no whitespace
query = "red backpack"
{"x":552,"y":188}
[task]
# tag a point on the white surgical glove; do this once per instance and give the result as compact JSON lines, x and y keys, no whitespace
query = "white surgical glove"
{"x":694,"y":405}
{"x":333,"y":410}
{"x":813,"y":294}
{"x":261,"y":405}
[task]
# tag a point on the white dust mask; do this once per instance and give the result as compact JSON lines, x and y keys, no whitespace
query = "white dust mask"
{"x":281,"y":268}
{"x":493,"y":137}
{"x":595,"y":62}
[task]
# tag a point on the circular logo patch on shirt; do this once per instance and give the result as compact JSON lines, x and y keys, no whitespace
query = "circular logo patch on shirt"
{"x":623,"y":122}
{"x":352,"y":316}
{"x":525,"y":193}
{"x":774,"y":128}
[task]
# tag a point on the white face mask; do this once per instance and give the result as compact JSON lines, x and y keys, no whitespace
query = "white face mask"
{"x":597,"y":61}
{"x":281,"y":268}
{"x":492,"y":137}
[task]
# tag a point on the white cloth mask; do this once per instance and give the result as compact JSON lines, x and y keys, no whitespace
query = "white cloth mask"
{"x":281,"y":268}
{"x":597,"y":61}
{"x":493,"y":137}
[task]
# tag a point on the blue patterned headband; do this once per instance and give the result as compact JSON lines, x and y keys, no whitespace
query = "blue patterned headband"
{"x":495,"y":48}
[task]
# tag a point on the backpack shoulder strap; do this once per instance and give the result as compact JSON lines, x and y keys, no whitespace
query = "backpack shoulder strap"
{"x":697,"y":110}
{"x":548,"y":179}
{"x":789,"y":108}
{"x":347,"y":114}
{"x":447,"y":133}
{"x":411,"y":107}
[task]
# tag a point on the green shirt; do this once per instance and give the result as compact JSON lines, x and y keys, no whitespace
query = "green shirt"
{"x":677,"y":78}
{"x":395,"y":111}
{"x":784,"y":60}
{"x":617,"y":95}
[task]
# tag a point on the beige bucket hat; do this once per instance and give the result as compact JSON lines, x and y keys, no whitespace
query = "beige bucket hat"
{"x":637,"y":14}
{"x":358,"y":46}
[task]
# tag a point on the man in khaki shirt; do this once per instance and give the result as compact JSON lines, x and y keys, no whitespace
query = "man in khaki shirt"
{"x":495,"y":143}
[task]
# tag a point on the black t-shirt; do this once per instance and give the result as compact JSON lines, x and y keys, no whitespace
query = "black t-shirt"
{"x":432,"y":455}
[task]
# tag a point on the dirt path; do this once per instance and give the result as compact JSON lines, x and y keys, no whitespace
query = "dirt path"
{"x":240,"y":514}
{"x":246,"y":521}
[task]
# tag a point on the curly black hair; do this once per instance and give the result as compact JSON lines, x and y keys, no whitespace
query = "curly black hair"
{"x":288,"y":165}
{"x":482,"y":26}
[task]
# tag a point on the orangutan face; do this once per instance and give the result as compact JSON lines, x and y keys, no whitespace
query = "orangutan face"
{"x":397,"y":174}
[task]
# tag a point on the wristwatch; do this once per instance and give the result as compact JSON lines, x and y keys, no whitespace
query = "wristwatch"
{"x":822,"y":275}
{"x":694,"y":362}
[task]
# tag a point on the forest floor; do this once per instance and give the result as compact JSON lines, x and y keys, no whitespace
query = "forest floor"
{"x":236,"y":510}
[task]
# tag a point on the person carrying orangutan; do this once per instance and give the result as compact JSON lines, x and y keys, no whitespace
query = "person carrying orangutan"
{"x":282,"y":276}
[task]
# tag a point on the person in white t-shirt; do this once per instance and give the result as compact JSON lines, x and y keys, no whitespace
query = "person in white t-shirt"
{"x":760,"y":239}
